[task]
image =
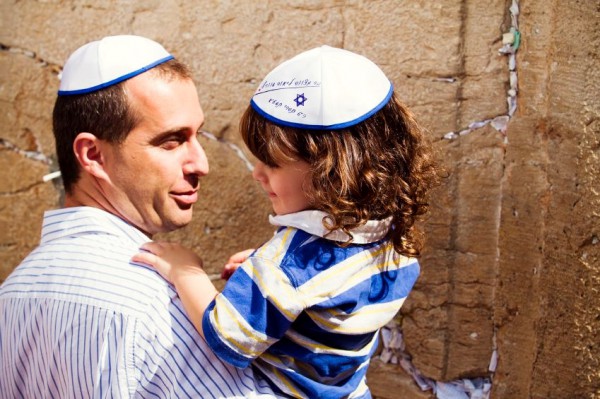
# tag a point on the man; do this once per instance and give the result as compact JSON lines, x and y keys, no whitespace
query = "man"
{"x":77,"y":318}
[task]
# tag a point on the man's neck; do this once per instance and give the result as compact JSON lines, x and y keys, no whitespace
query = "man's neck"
{"x":81,"y":197}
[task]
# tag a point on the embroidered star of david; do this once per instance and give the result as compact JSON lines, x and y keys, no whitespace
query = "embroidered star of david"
{"x":300,"y":99}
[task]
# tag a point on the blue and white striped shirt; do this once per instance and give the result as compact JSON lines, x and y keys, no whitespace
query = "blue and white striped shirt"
{"x":305,"y":311}
{"x":79,"y":320}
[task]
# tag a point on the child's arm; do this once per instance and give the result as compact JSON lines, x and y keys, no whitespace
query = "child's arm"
{"x":234,"y":262}
{"x":183,"y":268}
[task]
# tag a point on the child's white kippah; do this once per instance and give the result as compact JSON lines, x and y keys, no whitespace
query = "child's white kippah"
{"x":108,"y":61}
{"x":323,"y":88}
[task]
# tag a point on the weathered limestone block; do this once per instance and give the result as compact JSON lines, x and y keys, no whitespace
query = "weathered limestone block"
{"x":518,"y":298}
{"x":23,"y":200}
{"x":427,"y":349}
{"x":460,"y":265}
{"x":477,"y":106}
{"x":424,"y":72}
{"x":29,"y":174}
{"x":398,"y":45}
{"x":585,"y":238}
{"x":484,"y":84}
{"x":27,"y":88}
{"x":390,"y":381}
{"x":433,"y":102}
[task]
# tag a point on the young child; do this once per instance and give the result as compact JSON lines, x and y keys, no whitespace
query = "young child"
{"x":347,"y":170}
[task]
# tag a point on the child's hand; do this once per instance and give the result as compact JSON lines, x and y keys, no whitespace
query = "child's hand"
{"x":234,"y":262}
{"x":182,"y":268}
{"x":171,"y":260}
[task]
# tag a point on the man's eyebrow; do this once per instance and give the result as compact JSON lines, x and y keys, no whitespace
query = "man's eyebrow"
{"x":176,"y":130}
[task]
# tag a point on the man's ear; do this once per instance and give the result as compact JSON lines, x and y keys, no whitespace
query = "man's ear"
{"x":88,"y":150}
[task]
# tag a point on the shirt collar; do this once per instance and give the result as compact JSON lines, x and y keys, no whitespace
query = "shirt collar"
{"x":75,"y":221}
{"x":311,"y":221}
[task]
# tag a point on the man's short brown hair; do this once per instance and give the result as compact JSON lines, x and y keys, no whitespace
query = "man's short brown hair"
{"x":105,"y":113}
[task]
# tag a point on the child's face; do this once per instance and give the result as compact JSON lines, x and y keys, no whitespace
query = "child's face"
{"x":284,"y":185}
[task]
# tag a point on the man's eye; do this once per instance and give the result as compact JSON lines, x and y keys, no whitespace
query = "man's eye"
{"x":172,"y":142}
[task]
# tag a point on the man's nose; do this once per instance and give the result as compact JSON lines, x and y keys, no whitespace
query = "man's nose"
{"x":197,"y":162}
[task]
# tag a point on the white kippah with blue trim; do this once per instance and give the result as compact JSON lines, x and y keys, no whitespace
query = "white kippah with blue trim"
{"x":323,"y":88}
{"x":108,"y":61}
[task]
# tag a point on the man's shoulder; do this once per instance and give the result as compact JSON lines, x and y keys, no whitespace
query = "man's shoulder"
{"x":90,"y":270}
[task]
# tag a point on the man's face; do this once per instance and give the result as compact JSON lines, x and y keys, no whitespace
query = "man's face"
{"x":154,"y":174}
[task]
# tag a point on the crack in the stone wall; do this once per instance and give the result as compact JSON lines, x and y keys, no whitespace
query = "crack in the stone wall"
{"x":237,"y":150}
{"x":510,"y":44}
{"x":35,"y":155}
{"x":21,"y":190}
{"x":31,"y":54}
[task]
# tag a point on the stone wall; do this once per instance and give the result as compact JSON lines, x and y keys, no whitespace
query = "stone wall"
{"x":512,"y":261}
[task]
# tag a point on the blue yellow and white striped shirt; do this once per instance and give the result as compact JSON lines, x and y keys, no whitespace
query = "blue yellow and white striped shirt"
{"x":79,"y":320}
{"x":305,"y":312}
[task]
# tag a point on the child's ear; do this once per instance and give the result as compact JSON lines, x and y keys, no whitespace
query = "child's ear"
{"x":88,"y":151}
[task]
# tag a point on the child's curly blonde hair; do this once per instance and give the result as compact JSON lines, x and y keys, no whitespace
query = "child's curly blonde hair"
{"x":379,"y":168}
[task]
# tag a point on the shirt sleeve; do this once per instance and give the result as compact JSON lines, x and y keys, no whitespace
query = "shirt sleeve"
{"x":256,"y":308}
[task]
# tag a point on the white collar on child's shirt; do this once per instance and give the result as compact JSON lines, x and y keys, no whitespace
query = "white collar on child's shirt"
{"x":312,"y":222}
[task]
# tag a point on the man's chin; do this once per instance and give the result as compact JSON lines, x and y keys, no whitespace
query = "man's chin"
{"x":174,"y":222}
{"x":181,"y":221}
